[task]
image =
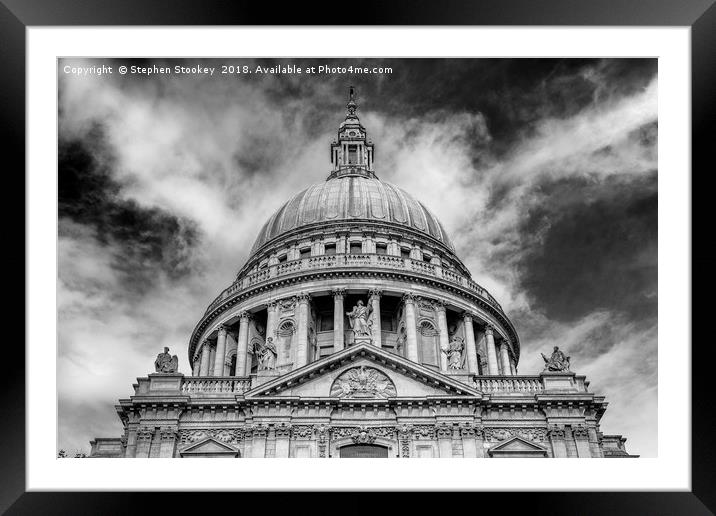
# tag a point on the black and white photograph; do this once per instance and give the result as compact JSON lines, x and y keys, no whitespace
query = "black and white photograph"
{"x":357,"y":258}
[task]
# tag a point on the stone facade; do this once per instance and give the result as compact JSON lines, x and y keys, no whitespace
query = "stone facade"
{"x":354,"y":330}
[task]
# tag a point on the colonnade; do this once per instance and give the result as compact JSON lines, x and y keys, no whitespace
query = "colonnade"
{"x":499,"y":360}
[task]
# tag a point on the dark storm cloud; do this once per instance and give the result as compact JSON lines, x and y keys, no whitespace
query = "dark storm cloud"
{"x":145,"y":240}
{"x":597,"y":238}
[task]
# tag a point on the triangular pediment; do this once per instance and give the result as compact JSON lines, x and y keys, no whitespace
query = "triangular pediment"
{"x":362,"y":371}
{"x":518,"y":446}
{"x":209,"y":447}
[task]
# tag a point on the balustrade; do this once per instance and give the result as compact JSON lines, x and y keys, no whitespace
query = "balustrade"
{"x":507,"y":384}
{"x":352,"y":260}
{"x":211,"y":385}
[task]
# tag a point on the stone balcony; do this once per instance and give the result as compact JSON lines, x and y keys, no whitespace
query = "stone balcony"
{"x":351,"y":262}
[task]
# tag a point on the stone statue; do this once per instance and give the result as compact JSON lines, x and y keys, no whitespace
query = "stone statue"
{"x":557,"y":362}
{"x":455,"y":353}
{"x":266,"y":354}
{"x":360,"y":320}
{"x":166,"y":363}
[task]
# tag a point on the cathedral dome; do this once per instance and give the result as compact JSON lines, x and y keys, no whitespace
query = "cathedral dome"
{"x":352,"y":198}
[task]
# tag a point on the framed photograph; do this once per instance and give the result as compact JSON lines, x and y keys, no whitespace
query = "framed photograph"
{"x":455,"y":237}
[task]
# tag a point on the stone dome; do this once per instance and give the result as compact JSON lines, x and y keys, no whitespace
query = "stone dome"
{"x":353,"y":198}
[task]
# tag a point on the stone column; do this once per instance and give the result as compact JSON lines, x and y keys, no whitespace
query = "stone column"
{"x":469,"y":446}
{"x":242,"y":345}
{"x":411,"y":344}
{"x":492,"y":367}
{"x":196,"y":366}
{"x":258,"y":445}
{"x":513,"y":366}
{"x":375,"y":303}
{"x":283,"y":433}
{"x":338,"y":319}
{"x":271,"y":320}
{"x":581,"y":438}
{"x":505,"y":356}
{"x":131,"y":450}
{"x":302,"y":337}
{"x":205,"y":351}
{"x":444,"y":432}
{"x":220,"y":357}
{"x":470,"y":347}
{"x":444,"y":337}
{"x":556,"y":439}
{"x":167,"y":442}
{"x":144,"y":441}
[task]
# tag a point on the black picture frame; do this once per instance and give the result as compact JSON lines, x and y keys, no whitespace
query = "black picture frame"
{"x":700,"y":15}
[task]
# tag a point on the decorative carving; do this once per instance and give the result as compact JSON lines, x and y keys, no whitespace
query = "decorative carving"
{"x":303,"y":297}
{"x":425,"y":305}
{"x":408,"y":298}
{"x":455,"y":353}
{"x":557,"y":362}
{"x":444,"y":431}
{"x":489,"y":329}
{"x":363,"y":382}
{"x":287,"y":305}
{"x":166,"y":363}
{"x":302,"y":431}
{"x":145,"y":433}
{"x":232,"y":436}
{"x":404,"y":432}
{"x":375,"y":292}
{"x":244,"y":316}
{"x":500,"y":434}
{"x":556,"y":433}
{"x":468,"y":430}
{"x":360,"y":319}
{"x":580,"y":432}
{"x":167,"y":433}
{"x":364,"y":434}
{"x":339,"y":292}
{"x":424,"y":432}
{"x":322,"y":432}
{"x":258,"y":430}
{"x":283,"y":430}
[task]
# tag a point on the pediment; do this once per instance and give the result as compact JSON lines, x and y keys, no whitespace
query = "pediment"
{"x":209,"y":447}
{"x":518,"y":446}
{"x":362,"y":372}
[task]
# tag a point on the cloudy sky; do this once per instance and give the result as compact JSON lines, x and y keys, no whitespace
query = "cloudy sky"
{"x":544,"y":171}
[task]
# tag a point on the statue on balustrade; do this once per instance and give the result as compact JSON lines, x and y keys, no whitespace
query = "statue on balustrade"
{"x":166,"y":363}
{"x":360,"y":319}
{"x":266,"y":354}
{"x":557,"y":362}
{"x":455,"y":353}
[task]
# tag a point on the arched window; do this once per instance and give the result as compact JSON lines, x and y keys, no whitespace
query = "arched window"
{"x":285,"y":334}
{"x":428,"y":343}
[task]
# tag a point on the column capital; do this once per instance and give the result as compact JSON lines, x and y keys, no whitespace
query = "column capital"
{"x":221,"y":328}
{"x":303,"y":297}
{"x":244,"y":316}
{"x":271,"y":305}
{"x":467,"y":316}
{"x":439,"y":305}
{"x":409,"y":297}
{"x":489,"y":329}
{"x":375,"y":292}
{"x":338,"y":292}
